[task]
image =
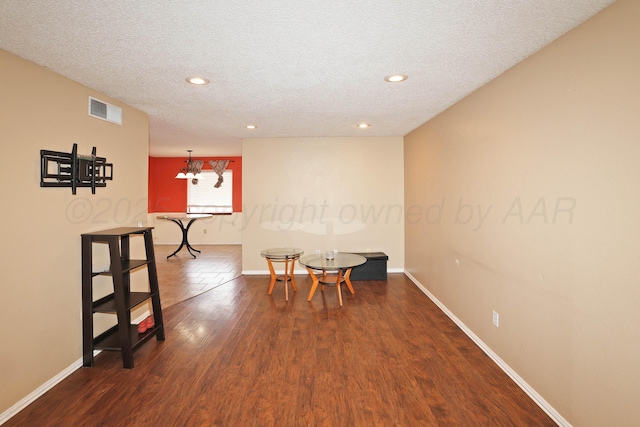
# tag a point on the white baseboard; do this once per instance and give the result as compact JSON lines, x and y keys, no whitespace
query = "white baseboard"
{"x":173,"y":243}
{"x":539,"y":400}
{"x":6,"y":415}
{"x":259,"y":272}
{"x":31,"y":397}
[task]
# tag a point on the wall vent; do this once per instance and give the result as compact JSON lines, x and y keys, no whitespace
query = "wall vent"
{"x":105,"y":111}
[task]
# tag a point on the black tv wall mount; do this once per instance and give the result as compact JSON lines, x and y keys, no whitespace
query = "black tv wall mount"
{"x":58,"y":169}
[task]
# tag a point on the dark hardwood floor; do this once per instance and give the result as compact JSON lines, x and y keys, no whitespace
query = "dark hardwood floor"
{"x":235,"y":356}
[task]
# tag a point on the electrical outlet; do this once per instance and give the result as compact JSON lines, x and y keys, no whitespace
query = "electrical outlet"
{"x":496,"y":319}
{"x":317,"y":251}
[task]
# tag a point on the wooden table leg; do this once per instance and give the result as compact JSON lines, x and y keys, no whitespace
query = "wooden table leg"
{"x":286,"y":275}
{"x":314,"y":284}
{"x":291,"y":275}
{"x":273,"y":276}
{"x":289,"y":267}
{"x":338,"y":280}
{"x":348,"y":281}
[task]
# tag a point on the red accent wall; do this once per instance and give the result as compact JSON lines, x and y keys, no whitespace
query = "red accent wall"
{"x":168,"y":194}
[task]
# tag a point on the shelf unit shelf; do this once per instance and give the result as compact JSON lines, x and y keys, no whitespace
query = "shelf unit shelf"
{"x":124,"y":336}
{"x":110,"y":339}
{"x":107,"y":304}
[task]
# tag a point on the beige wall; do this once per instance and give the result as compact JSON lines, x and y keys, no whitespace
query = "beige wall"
{"x":40,"y":283}
{"x":322,"y":193}
{"x":526,"y":201}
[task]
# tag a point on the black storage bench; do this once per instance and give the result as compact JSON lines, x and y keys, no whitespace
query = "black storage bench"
{"x":374,"y":269}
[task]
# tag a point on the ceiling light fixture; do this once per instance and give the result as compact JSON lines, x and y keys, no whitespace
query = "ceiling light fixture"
{"x":364,"y":125}
{"x":193,"y":169}
{"x":252,"y":127}
{"x":198,"y":81}
{"x":396,"y":78}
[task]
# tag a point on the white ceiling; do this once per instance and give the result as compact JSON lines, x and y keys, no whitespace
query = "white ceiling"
{"x":294,"y":68}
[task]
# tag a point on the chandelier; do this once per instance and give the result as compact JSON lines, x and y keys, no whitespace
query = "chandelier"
{"x":193,"y":169}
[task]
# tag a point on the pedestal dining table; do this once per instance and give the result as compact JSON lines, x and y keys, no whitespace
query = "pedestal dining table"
{"x":178,"y":219}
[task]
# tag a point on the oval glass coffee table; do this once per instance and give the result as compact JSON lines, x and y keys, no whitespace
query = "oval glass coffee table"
{"x":342,"y":263}
{"x":285,"y":255}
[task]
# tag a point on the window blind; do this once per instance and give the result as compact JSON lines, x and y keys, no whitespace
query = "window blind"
{"x":205,"y":198}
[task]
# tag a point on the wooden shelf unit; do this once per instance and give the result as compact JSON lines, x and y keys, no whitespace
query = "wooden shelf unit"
{"x":124,"y":336}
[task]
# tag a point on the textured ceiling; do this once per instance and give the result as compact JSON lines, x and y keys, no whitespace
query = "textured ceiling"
{"x":294,"y":68}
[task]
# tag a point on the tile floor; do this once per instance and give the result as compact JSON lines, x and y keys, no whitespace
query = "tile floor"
{"x":182,"y":277}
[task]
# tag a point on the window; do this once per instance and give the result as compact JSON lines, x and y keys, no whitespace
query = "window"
{"x":205,"y":198}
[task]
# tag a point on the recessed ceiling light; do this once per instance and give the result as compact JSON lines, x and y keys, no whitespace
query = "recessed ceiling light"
{"x":251,"y":126}
{"x":364,"y":125}
{"x":396,"y":78}
{"x":198,"y":81}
